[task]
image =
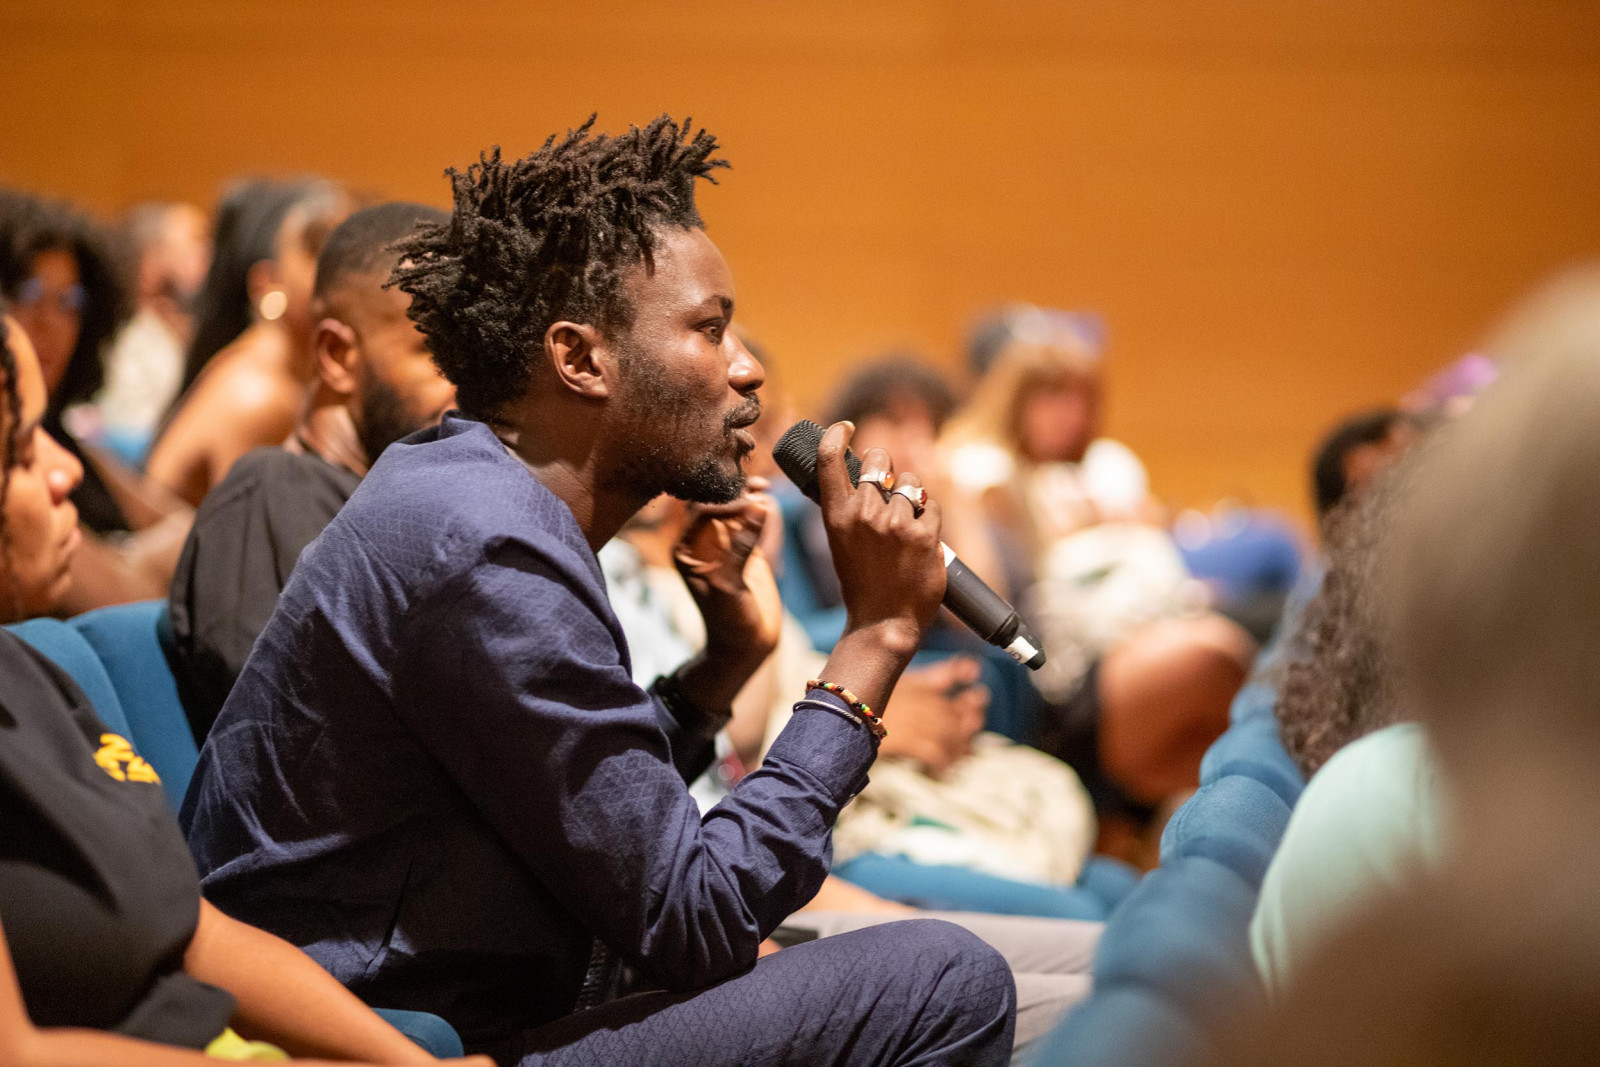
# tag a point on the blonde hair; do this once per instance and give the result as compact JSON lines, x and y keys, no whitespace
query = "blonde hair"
{"x":993,"y":415}
{"x":1494,"y":564}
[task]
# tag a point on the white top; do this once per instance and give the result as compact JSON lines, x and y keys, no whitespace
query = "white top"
{"x":1110,"y":477}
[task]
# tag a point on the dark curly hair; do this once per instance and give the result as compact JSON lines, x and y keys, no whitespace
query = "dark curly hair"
{"x":1340,"y":682}
{"x":1328,"y":486}
{"x":878,"y":387}
{"x":30,"y":226}
{"x":543,"y":239}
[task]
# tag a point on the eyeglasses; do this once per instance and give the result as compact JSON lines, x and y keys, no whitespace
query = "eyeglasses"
{"x":32,"y":296}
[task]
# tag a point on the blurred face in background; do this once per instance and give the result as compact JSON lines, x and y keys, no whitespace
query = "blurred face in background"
{"x":1364,"y":463}
{"x":41,"y":524}
{"x":49,"y":307}
{"x":1057,"y":420}
{"x":173,"y":264}
{"x":300,"y":239}
{"x":907,"y":431}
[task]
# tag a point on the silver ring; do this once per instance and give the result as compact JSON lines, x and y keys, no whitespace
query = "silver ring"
{"x":917,"y":496}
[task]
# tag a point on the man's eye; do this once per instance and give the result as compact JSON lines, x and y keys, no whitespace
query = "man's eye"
{"x":714,"y":331}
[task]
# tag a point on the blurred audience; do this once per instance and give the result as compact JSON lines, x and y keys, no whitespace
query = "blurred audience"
{"x":1491,"y":577}
{"x":67,"y":294}
{"x":1135,"y":718}
{"x":55,"y":263}
{"x":167,"y":249}
{"x":376,"y":383}
{"x":250,"y":362}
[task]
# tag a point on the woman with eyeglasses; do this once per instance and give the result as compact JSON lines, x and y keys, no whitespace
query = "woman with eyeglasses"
{"x":67,"y":294}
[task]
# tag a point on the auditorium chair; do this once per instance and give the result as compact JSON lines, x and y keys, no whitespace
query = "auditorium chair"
{"x":118,"y":656}
{"x":1174,"y":962}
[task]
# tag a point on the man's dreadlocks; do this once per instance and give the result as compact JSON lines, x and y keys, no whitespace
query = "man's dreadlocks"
{"x":543,"y":239}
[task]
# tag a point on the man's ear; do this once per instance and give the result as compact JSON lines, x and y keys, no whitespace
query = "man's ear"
{"x":338,"y":355}
{"x":581,"y":359}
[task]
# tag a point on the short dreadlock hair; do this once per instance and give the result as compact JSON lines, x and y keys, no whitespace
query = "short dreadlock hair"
{"x":544,"y":239}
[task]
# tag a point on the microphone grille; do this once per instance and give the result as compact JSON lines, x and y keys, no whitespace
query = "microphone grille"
{"x":796,"y":455}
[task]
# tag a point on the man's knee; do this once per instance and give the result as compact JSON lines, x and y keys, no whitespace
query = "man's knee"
{"x":962,"y":967}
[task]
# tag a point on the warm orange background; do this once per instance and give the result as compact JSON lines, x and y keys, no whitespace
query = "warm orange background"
{"x":1285,"y":208}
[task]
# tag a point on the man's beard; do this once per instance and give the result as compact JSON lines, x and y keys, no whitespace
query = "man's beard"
{"x":384,"y":418}
{"x":659,"y":420}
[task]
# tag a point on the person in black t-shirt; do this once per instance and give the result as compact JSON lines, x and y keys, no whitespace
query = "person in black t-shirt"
{"x":108,"y":954}
{"x":375,"y":384}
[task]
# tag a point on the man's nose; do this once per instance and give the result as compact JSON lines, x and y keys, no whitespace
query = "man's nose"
{"x":745,"y":372}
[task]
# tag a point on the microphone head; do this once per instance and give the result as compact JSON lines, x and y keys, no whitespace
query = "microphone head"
{"x":796,"y":455}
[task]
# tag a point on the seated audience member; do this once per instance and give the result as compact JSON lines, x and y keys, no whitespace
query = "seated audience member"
{"x":69,"y":299}
{"x":1135,"y":729}
{"x":168,"y":248}
{"x":108,"y":953}
{"x":375,"y":384}
{"x":1028,"y":441}
{"x":248,"y":367}
{"x":1351,"y":456}
{"x":1491,"y":579}
{"x":1371,"y":818}
{"x":435,"y":772}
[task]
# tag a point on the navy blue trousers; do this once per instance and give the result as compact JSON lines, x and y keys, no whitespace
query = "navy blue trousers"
{"x":919,"y":992}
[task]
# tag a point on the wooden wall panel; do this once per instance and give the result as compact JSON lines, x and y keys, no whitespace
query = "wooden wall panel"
{"x":1285,"y":210}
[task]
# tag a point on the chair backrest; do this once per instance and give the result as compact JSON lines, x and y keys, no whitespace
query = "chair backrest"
{"x":63,"y":645}
{"x":127,"y":640}
{"x":1174,"y":960}
{"x":118,"y":659}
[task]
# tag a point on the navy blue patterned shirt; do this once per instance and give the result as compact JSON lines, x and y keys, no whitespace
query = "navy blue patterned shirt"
{"x":437,"y":776}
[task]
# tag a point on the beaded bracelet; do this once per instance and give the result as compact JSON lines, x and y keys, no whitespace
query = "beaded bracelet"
{"x":860,"y":707}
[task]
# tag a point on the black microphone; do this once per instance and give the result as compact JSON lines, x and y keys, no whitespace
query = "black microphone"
{"x":965,"y":594}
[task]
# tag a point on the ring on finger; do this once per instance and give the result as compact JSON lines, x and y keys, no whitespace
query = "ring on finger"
{"x":916,"y":495}
{"x":884,"y":482}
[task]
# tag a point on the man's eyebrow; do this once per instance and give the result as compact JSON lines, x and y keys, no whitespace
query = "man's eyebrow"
{"x":723,"y":302}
